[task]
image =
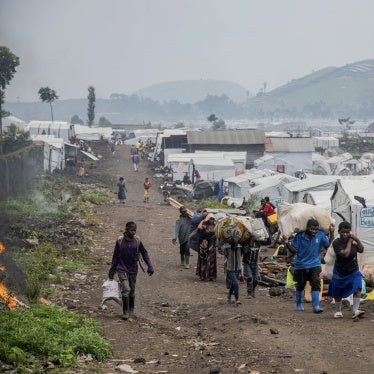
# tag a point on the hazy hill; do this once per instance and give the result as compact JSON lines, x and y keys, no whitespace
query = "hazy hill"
{"x":329,"y":92}
{"x":332,"y":92}
{"x":192,"y":91}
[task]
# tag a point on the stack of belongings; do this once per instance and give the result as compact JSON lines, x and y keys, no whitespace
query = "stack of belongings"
{"x":293,"y":218}
{"x":238,"y":229}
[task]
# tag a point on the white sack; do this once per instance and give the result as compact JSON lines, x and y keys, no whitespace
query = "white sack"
{"x":111,"y":292}
{"x":293,"y":218}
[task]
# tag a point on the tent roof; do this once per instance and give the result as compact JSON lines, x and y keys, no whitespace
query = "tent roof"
{"x":275,"y":144}
{"x":245,"y":137}
{"x":363,"y":188}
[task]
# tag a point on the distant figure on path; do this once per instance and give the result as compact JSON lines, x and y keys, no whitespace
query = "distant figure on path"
{"x":135,"y":161}
{"x":147,"y":186}
{"x":121,"y":190}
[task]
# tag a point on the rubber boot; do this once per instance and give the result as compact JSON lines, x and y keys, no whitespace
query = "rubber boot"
{"x":299,"y":300}
{"x":187,"y":259}
{"x":182,"y":260}
{"x":126,"y":308}
{"x":315,"y":302}
{"x":132,"y":305}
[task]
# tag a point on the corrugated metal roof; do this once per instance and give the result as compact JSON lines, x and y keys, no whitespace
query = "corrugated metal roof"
{"x":289,"y":145}
{"x":226,"y":137}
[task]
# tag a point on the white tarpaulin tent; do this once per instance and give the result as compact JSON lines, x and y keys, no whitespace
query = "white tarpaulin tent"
{"x":54,"y":152}
{"x":59,"y":129}
{"x":353,"y":201}
{"x":92,"y":133}
{"x":211,"y":167}
{"x":320,"y":198}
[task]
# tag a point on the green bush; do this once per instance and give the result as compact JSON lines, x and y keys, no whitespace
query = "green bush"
{"x":95,"y":197}
{"x":31,"y":337}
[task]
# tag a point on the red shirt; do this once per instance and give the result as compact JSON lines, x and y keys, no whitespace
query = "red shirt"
{"x":147,"y":185}
{"x":268,"y":209}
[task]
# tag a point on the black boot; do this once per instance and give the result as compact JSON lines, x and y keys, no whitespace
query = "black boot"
{"x":125,"y":308}
{"x":132,"y":306}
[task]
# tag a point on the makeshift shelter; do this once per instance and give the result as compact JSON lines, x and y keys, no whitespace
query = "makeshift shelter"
{"x":272,"y":186}
{"x":296,"y":190}
{"x":320,"y":198}
{"x":354,"y":202}
{"x":92,"y":133}
{"x":59,"y":129}
{"x":54,"y":152}
{"x":239,"y":186}
{"x":211,"y":167}
{"x":287,"y":155}
{"x":11,"y":120}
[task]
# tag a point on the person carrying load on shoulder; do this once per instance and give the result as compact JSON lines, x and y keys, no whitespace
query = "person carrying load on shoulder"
{"x":306,"y":247}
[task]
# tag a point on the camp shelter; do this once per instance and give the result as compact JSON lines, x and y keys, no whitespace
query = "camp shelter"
{"x":296,"y":190}
{"x":325,"y":142}
{"x":54,"y":152}
{"x":92,"y":133}
{"x":212,"y":167}
{"x":238,"y":158}
{"x":320,"y":198}
{"x":250,"y":141}
{"x":59,"y":129}
{"x":287,"y":155}
{"x":169,"y":141}
{"x":353,"y":201}
{"x":272,"y":186}
{"x":12,"y":120}
{"x":239,"y":185}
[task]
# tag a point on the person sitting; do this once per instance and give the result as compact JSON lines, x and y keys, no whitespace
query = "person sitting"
{"x":186,"y":179}
{"x":267,"y":207}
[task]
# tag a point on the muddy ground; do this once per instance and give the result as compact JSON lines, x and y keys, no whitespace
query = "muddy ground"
{"x":184,"y":325}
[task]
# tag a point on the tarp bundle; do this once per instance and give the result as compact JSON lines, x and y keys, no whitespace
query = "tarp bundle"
{"x":293,"y":218}
{"x":239,"y":229}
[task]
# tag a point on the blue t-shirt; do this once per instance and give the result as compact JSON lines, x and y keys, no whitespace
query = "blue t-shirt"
{"x":308,"y":250}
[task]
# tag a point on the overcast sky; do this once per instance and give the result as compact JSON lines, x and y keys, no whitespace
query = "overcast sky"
{"x":120,"y":46}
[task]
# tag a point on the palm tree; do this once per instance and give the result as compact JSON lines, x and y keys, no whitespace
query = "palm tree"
{"x":47,"y":95}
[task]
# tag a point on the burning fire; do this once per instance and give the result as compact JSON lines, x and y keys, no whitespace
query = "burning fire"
{"x":9,"y":300}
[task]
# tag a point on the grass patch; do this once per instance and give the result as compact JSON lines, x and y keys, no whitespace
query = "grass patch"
{"x":29,"y":338}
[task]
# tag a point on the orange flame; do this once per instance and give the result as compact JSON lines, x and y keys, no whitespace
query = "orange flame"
{"x":9,"y":300}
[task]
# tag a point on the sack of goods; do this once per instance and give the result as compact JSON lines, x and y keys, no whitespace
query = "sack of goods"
{"x":231,"y":230}
{"x":255,"y":227}
{"x":293,"y":218}
{"x":111,"y":292}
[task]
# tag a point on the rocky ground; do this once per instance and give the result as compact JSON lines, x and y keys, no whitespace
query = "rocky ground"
{"x":184,"y":325}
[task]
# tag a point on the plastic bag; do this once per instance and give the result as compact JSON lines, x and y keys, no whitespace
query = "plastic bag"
{"x":111,"y":292}
{"x":289,"y":280}
{"x":328,"y":266}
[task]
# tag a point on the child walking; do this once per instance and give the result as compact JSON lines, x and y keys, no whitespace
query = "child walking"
{"x":121,"y":190}
{"x":147,"y":185}
{"x":233,"y":265}
{"x":251,"y":250}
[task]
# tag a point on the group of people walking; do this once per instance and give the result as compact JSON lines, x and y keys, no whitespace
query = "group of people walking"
{"x":241,"y":259}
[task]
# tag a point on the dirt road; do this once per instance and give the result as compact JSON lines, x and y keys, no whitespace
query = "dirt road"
{"x":186,"y":326}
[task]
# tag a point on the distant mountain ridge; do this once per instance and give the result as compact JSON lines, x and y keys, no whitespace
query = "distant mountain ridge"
{"x":329,"y":93}
{"x":192,"y":91}
{"x":346,"y":90}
